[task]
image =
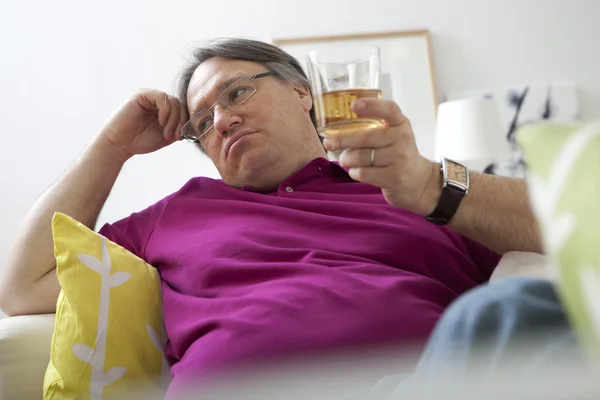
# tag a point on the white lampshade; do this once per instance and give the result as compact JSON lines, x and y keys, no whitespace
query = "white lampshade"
{"x":470,"y":130}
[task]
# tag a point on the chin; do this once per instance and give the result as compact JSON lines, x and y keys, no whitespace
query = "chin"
{"x":259,"y":169}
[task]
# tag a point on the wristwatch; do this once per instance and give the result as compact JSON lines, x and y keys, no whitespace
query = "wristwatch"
{"x":455,"y":186}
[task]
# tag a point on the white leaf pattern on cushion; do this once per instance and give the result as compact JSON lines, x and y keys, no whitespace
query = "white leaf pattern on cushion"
{"x":96,"y":358}
{"x":91,"y":262}
{"x":119,"y":278}
{"x":113,"y":374}
{"x":83,"y":353}
{"x":160,"y":345}
{"x":154,"y":338}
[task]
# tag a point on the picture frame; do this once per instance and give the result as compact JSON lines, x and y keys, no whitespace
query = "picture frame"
{"x":407,"y":72}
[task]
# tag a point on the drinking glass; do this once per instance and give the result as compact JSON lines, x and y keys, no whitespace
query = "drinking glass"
{"x":341,"y":74}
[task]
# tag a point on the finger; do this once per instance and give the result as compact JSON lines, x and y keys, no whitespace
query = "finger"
{"x":175,"y":134}
{"x":162,"y":104}
{"x":183,"y":119}
{"x":381,"y":136}
{"x":355,"y":158}
{"x":386,"y":110}
{"x":376,"y":176}
{"x":173,"y":117}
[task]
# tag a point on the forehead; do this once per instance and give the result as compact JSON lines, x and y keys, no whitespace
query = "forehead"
{"x":211,"y":74}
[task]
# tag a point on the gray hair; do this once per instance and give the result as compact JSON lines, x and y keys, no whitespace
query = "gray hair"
{"x":286,"y":67}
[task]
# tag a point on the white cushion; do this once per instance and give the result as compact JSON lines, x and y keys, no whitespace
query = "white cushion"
{"x":24,"y":355}
{"x":520,"y":263}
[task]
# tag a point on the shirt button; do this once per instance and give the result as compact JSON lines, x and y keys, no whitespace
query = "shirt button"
{"x":320,"y":169}
{"x":289,"y":189}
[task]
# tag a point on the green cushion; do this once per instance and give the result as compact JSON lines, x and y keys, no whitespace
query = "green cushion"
{"x":563,"y":162}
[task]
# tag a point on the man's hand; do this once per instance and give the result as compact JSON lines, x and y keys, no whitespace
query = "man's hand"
{"x":148,"y":121}
{"x":407,"y":179}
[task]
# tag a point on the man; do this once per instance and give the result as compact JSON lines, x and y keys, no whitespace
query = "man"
{"x":289,"y":254}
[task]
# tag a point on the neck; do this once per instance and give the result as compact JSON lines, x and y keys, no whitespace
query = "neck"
{"x":282,"y":166}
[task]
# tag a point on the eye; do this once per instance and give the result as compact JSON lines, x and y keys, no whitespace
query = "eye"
{"x":204,"y":124}
{"x":238,"y":92}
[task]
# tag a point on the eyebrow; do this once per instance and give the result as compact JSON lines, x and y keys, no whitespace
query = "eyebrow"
{"x":230,"y":81}
{"x":220,"y":88}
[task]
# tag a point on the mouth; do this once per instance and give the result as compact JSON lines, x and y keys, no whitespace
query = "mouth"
{"x":237,"y":136}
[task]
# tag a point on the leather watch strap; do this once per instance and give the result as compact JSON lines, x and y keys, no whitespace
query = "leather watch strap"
{"x":447,"y":206}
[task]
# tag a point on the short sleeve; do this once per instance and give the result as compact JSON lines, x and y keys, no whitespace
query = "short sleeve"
{"x":134,"y":231}
{"x":485,"y":258}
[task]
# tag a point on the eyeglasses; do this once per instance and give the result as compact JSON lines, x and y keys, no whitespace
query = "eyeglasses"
{"x":234,"y":96}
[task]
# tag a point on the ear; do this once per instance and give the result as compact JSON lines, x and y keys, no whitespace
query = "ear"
{"x":304,"y":96}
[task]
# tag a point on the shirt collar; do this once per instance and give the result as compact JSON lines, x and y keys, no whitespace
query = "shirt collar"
{"x":318,"y":168}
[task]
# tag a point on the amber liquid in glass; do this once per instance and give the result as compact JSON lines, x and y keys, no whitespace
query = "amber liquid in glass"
{"x":335,"y":117}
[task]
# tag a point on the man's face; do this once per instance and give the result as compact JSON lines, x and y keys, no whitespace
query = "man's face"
{"x":260,"y":140}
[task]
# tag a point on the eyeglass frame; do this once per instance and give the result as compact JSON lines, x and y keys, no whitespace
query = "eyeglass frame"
{"x":250,"y":78}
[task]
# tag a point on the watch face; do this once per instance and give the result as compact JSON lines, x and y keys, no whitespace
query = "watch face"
{"x":457,"y":172}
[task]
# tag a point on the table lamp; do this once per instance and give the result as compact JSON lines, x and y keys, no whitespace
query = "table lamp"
{"x":470,"y":131}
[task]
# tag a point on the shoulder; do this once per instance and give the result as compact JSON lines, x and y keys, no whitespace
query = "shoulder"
{"x":134,"y":230}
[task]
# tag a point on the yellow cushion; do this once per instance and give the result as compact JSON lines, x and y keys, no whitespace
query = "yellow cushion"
{"x":108,"y":337}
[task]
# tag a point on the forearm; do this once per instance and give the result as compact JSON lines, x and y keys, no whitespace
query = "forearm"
{"x":496,"y":213}
{"x":29,"y":283}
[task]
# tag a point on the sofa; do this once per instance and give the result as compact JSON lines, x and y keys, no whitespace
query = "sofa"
{"x":25,"y":340}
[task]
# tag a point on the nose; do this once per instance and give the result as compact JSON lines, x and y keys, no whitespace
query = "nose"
{"x":224,"y":119}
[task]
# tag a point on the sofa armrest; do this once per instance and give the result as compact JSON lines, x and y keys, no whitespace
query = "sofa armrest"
{"x":24,"y":355}
{"x":520,"y":263}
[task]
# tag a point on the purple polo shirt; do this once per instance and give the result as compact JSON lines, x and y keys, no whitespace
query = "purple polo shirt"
{"x":322,"y":263}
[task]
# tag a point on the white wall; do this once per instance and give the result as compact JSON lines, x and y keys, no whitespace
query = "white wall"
{"x":65,"y":66}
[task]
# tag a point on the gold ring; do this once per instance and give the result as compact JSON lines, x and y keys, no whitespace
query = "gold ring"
{"x":372,"y":157}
